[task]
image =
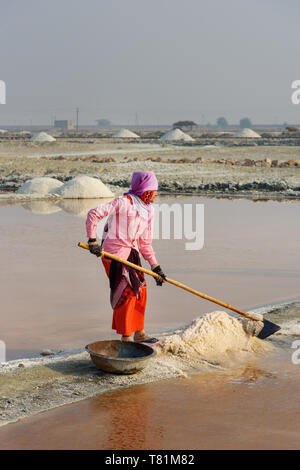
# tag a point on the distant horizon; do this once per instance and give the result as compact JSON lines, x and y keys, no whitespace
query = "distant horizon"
{"x":149,"y":62}
{"x":139,"y":126}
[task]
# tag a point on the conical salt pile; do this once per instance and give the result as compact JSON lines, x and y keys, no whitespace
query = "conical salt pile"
{"x":126,"y":134}
{"x":40,"y":185}
{"x":42,"y":137}
{"x":247,"y":134}
{"x":176,"y":134}
{"x":83,"y":187}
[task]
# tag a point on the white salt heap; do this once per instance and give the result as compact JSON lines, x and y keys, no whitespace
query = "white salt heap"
{"x":247,"y":133}
{"x":40,"y":185}
{"x":215,"y":338}
{"x":126,"y":134}
{"x":42,"y":137}
{"x":176,"y":134}
{"x":83,"y":187}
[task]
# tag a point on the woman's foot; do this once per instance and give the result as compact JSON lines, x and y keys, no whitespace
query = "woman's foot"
{"x":143,"y":338}
{"x":126,"y":338}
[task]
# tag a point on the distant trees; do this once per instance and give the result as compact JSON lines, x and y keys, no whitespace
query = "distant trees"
{"x":245,"y":122}
{"x":222,"y":122}
{"x":184,"y":124}
{"x":103,"y":123}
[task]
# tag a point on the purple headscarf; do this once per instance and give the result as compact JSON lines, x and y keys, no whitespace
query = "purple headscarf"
{"x":143,"y":181}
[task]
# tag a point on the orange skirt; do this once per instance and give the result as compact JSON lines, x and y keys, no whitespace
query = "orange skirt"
{"x":128,"y":315}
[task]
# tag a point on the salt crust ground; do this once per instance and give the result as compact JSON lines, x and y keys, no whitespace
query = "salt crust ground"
{"x":215,"y":342}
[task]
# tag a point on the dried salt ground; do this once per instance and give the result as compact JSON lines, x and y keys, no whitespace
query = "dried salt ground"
{"x":213,"y":342}
{"x":176,"y":135}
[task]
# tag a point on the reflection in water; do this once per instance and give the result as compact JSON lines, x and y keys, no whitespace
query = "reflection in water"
{"x":80,"y":207}
{"x":77,"y":207}
{"x":128,"y":419}
{"x":42,"y":207}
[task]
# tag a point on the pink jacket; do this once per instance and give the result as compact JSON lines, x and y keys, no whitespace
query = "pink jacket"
{"x":126,"y":229}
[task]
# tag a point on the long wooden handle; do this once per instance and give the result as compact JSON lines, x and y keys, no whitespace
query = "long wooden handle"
{"x":253,"y":316}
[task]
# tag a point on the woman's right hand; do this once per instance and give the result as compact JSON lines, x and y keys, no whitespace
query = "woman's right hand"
{"x":95,"y":248}
{"x":157,"y":269}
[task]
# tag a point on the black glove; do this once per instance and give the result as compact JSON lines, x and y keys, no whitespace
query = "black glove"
{"x":95,"y":249}
{"x":159,"y":271}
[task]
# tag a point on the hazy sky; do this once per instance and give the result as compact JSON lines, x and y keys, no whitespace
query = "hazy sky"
{"x":162,"y":59}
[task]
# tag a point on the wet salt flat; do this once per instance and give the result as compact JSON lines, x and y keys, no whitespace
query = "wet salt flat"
{"x":56,"y":296}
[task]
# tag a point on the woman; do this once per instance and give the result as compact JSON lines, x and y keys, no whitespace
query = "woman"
{"x":127,"y":233}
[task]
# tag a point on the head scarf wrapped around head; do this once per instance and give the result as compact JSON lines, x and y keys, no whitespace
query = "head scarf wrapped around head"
{"x":143,"y":181}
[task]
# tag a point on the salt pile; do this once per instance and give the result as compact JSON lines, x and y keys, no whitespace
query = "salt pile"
{"x":126,"y":134}
{"x":42,"y":137}
{"x":176,"y":134}
{"x":247,"y":133}
{"x":41,"y":185}
{"x":3,"y":131}
{"x":215,"y":338}
{"x":83,"y":187}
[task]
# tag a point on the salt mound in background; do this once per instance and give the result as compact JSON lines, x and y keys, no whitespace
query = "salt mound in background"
{"x":83,"y":187}
{"x":41,"y":185}
{"x":125,"y":134}
{"x":216,"y":338}
{"x":176,"y":134}
{"x":42,"y":137}
{"x":247,"y":133}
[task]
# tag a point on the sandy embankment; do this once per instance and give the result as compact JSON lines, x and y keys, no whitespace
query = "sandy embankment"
{"x":205,"y":178}
{"x":212,"y":343}
{"x":192,"y":170}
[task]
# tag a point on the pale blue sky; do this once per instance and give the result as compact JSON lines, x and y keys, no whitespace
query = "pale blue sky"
{"x":162,"y":59}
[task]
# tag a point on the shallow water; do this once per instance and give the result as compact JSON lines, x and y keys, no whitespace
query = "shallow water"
{"x":55,"y":296}
{"x":251,"y":409}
